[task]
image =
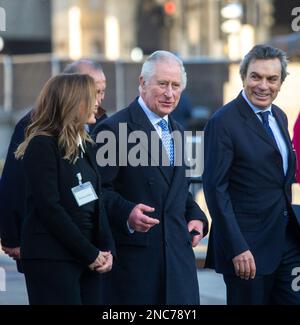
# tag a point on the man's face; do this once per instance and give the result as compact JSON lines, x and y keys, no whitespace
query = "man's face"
{"x":162,"y":92}
{"x":100,"y":81}
{"x":263,"y":82}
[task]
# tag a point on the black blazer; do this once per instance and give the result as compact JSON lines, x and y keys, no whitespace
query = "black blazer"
{"x":51,"y":229}
{"x":13,"y":189}
{"x":245,"y":187}
{"x":135,"y":276}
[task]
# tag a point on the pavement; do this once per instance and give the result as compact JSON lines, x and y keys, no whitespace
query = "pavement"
{"x":212,"y":287}
{"x":211,"y":284}
{"x":12,"y":285}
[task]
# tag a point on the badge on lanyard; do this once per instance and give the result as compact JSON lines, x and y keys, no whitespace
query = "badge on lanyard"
{"x":84,"y":193}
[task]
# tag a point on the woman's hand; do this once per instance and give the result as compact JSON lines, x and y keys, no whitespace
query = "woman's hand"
{"x":103,"y":262}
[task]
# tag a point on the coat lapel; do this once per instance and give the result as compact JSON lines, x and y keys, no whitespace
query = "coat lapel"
{"x":179,"y":170}
{"x":253,"y":122}
{"x":256,"y":126}
{"x":140,"y":122}
{"x":91,"y":156}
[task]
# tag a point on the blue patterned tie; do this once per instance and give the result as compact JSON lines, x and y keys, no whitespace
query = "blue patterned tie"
{"x":167,"y":140}
{"x":265,"y":121}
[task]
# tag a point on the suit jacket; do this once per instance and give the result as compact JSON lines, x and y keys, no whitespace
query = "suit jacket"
{"x":12,"y":190}
{"x":157,"y":266}
{"x":52,"y":226}
{"x":296,"y":142}
{"x":245,"y":187}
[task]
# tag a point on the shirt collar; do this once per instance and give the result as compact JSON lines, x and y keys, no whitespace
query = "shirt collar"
{"x":79,"y":143}
{"x":255,"y":109}
{"x":154,"y":118}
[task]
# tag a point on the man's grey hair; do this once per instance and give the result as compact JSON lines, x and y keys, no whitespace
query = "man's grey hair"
{"x":149,"y":66}
{"x":83,"y":64}
{"x":264,"y":52}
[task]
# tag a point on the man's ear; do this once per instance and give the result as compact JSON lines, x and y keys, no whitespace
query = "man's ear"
{"x":142,"y":82}
{"x":243,"y":82}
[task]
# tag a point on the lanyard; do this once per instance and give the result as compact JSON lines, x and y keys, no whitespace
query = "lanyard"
{"x":79,"y":177}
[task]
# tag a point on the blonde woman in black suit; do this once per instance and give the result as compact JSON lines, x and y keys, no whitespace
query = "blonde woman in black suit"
{"x":66,"y":241}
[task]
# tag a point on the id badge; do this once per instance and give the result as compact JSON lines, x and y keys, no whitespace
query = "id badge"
{"x":84,"y":193}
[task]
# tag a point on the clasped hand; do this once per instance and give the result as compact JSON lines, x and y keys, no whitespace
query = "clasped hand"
{"x":103,"y":262}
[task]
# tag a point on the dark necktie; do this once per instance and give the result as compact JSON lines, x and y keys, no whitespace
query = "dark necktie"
{"x":167,"y":140}
{"x":266,"y":125}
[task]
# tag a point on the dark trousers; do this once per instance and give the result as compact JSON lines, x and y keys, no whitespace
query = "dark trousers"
{"x":61,"y":283}
{"x":279,"y":287}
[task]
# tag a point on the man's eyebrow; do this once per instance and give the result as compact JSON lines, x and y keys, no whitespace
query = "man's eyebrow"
{"x":258,"y":74}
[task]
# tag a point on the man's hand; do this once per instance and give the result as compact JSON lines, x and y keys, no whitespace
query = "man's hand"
{"x":138,"y":221}
{"x":198,"y":226}
{"x":13,"y":252}
{"x":244,"y":265}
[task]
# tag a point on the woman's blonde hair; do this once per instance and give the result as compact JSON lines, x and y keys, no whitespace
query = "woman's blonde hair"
{"x":62,"y":109}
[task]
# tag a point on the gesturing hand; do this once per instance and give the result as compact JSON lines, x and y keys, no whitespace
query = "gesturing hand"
{"x":138,"y":221}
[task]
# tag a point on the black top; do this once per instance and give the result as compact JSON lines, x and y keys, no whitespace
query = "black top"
{"x":88,"y":174}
